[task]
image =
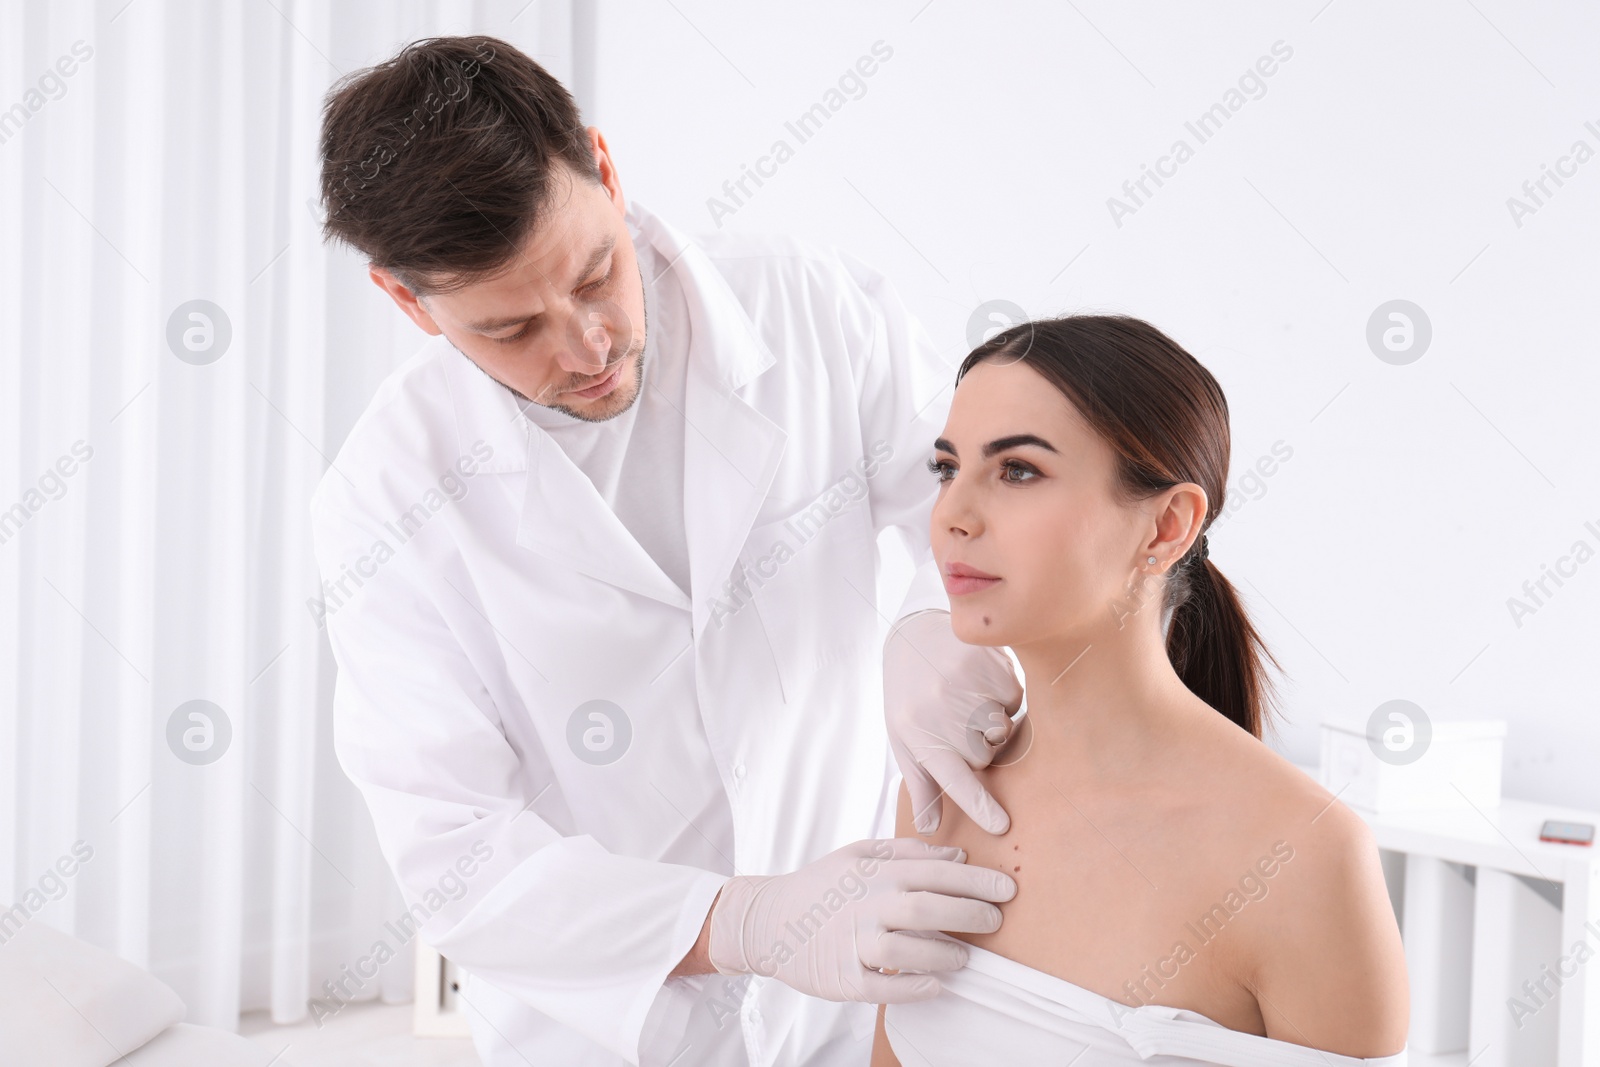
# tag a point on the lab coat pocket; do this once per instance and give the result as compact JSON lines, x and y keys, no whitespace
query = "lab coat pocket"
{"x":811,"y":579}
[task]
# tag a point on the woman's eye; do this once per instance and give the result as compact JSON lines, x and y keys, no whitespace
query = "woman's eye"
{"x":941,"y":470}
{"x":1012,"y":466}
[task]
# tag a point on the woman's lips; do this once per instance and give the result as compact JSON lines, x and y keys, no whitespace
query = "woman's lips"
{"x":960,"y":580}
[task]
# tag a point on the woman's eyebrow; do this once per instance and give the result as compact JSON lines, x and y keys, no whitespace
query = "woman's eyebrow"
{"x":999,"y":444}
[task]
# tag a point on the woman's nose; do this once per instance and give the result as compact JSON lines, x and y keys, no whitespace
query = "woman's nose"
{"x":953,"y":512}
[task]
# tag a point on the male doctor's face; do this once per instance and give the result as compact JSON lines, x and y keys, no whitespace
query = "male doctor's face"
{"x":564,"y":325}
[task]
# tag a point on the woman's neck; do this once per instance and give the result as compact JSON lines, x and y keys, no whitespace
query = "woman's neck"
{"x":1101,"y":705}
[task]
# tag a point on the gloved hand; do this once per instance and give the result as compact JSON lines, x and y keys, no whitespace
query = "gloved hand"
{"x":824,"y":928}
{"x":947,"y":706}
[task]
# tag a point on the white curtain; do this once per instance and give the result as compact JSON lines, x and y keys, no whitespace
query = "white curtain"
{"x":180,"y":358}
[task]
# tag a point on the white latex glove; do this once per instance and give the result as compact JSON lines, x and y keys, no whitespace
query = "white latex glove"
{"x":826,"y":928}
{"x":947,"y":706}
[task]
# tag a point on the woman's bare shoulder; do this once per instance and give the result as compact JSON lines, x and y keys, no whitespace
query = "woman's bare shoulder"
{"x":1323,"y":954}
{"x":1245,"y":777}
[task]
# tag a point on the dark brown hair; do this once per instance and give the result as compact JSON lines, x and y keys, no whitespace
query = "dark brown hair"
{"x":437,"y":163}
{"x":1165,"y":418}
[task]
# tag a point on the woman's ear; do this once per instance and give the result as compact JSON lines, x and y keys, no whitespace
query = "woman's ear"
{"x":1180,"y":517}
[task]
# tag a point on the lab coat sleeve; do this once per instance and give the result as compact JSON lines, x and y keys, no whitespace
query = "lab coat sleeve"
{"x":583,"y":935}
{"x":904,"y":388}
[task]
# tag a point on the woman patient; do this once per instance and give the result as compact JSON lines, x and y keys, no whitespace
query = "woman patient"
{"x":1185,"y":895}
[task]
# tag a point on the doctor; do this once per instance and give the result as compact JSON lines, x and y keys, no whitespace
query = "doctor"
{"x":599,"y":575}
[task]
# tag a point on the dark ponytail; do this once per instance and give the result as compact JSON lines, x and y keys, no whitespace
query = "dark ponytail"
{"x":1166,"y":419}
{"x":1214,"y":647}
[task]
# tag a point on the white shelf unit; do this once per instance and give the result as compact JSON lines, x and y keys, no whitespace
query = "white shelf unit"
{"x":436,"y":1011}
{"x":1485,"y":906}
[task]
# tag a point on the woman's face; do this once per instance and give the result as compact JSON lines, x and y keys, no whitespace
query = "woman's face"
{"x":1025,"y":495}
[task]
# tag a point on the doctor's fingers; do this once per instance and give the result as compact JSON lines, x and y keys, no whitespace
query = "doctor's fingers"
{"x":992,"y":725}
{"x":939,"y":912}
{"x":944,"y":873}
{"x":960,"y":784}
{"x":909,"y":952}
{"x":972,"y":734}
{"x":925,"y":794}
{"x":995,"y":676}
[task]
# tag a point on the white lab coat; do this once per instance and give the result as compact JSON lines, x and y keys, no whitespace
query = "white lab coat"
{"x":471,"y":618}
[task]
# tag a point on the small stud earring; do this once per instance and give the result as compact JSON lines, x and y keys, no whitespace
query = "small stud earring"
{"x":1150,"y":560}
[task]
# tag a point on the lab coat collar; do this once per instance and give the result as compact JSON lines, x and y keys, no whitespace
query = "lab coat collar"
{"x":731,"y":451}
{"x":738,"y":353}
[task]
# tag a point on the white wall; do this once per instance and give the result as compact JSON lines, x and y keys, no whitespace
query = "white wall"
{"x":1376,"y":165}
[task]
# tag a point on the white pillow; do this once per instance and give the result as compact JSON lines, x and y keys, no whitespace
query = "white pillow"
{"x":67,"y":1003}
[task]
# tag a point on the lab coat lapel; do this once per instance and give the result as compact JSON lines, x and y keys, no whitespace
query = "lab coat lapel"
{"x":731,"y":455}
{"x":561,"y":514}
{"x":567,"y":520}
{"x":731,"y":450}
